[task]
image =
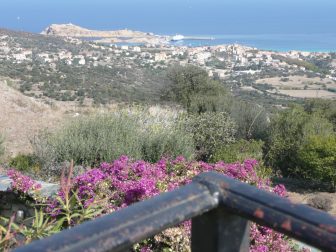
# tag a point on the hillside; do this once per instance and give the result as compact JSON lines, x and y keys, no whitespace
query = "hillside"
{"x":69,"y":69}
{"x":21,"y":117}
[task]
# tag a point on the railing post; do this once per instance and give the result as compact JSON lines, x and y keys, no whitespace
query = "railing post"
{"x":218,"y":230}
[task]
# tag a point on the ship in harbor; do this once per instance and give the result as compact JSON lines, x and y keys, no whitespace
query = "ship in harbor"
{"x":177,"y":37}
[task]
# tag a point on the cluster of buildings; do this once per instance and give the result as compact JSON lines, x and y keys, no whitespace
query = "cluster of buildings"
{"x":220,"y":61}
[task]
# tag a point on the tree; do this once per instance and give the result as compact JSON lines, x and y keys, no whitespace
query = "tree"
{"x":194,"y":90}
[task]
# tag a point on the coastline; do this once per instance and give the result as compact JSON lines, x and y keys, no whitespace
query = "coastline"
{"x":318,"y":42}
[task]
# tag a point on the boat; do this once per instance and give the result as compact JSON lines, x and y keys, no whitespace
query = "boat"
{"x":177,"y":37}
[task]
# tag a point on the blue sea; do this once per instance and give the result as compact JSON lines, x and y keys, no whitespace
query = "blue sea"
{"x":274,"y":42}
{"x":307,"y":25}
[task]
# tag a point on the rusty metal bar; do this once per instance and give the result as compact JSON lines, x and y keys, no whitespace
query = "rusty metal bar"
{"x":220,"y":231}
{"x":121,"y":229}
{"x":301,"y":222}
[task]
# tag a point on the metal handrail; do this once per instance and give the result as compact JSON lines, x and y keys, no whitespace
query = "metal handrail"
{"x":220,"y":209}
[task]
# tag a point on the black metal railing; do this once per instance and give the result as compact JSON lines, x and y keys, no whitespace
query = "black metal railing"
{"x":220,"y":209}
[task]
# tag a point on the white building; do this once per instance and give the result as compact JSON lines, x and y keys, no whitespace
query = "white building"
{"x":19,"y":57}
{"x":160,"y":56}
{"x":82,"y":62}
{"x":136,"y":49}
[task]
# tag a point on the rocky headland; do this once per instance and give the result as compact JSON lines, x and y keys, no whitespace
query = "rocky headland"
{"x":116,"y":36}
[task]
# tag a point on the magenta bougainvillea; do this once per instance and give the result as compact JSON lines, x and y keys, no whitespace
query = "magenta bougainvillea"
{"x":124,"y":182}
{"x":22,"y":183}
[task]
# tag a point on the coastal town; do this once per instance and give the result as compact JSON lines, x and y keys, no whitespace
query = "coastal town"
{"x":294,"y":73}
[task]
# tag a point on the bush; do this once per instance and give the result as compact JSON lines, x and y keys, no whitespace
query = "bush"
{"x":168,"y":142}
{"x":210,"y":131}
{"x":252,"y":120}
{"x":94,"y":139}
{"x":89,"y":140}
{"x":239,"y":151}
{"x":325,"y":107}
{"x":317,"y":159}
{"x":25,"y":163}
{"x":289,"y":131}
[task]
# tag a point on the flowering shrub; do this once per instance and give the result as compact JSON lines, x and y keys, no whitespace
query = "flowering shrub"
{"x":21,"y":183}
{"x":123,"y":182}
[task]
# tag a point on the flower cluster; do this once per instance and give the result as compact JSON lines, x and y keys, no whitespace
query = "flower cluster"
{"x":22,"y":183}
{"x":124,"y":182}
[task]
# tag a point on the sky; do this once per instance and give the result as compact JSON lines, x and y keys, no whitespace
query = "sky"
{"x":175,"y":16}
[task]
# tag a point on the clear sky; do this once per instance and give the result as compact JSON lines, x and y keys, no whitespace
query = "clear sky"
{"x":175,"y":16}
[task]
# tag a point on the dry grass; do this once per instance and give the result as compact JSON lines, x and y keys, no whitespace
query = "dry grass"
{"x":298,"y":82}
{"x":301,"y":86}
{"x":21,"y":117}
{"x":309,"y":93}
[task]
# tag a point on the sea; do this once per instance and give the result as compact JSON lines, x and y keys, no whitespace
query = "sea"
{"x":273,"y":42}
{"x":306,"y":25}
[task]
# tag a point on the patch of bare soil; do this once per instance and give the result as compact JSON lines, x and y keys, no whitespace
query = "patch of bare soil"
{"x":303,"y":192}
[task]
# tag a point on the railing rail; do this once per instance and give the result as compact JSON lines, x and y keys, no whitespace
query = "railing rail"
{"x":220,"y":209}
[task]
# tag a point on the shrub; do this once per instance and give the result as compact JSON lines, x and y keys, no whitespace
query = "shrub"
{"x":252,"y":120}
{"x":290,"y":129}
{"x":89,"y":140}
{"x":167,"y":142}
{"x":325,"y":107}
{"x":317,"y":159}
{"x":239,"y":151}
{"x":94,"y":139}
{"x":210,"y":131}
{"x":25,"y":163}
{"x":322,"y":202}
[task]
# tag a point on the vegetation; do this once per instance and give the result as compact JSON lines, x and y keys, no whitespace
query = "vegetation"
{"x":210,"y":131}
{"x":252,"y":120}
{"x":301,"y":63}
{"x":197,"y":93}
{"x":194,"y":90}
{"x":317,"y":159}
{"x":94,"y":139}
{"x":98,"y":191}
{"x":210,"y":124}
{"x":118,"y":79}
{"x":239,"y":151}
{"x":303,"y":145}
{"x":24,"y":163}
